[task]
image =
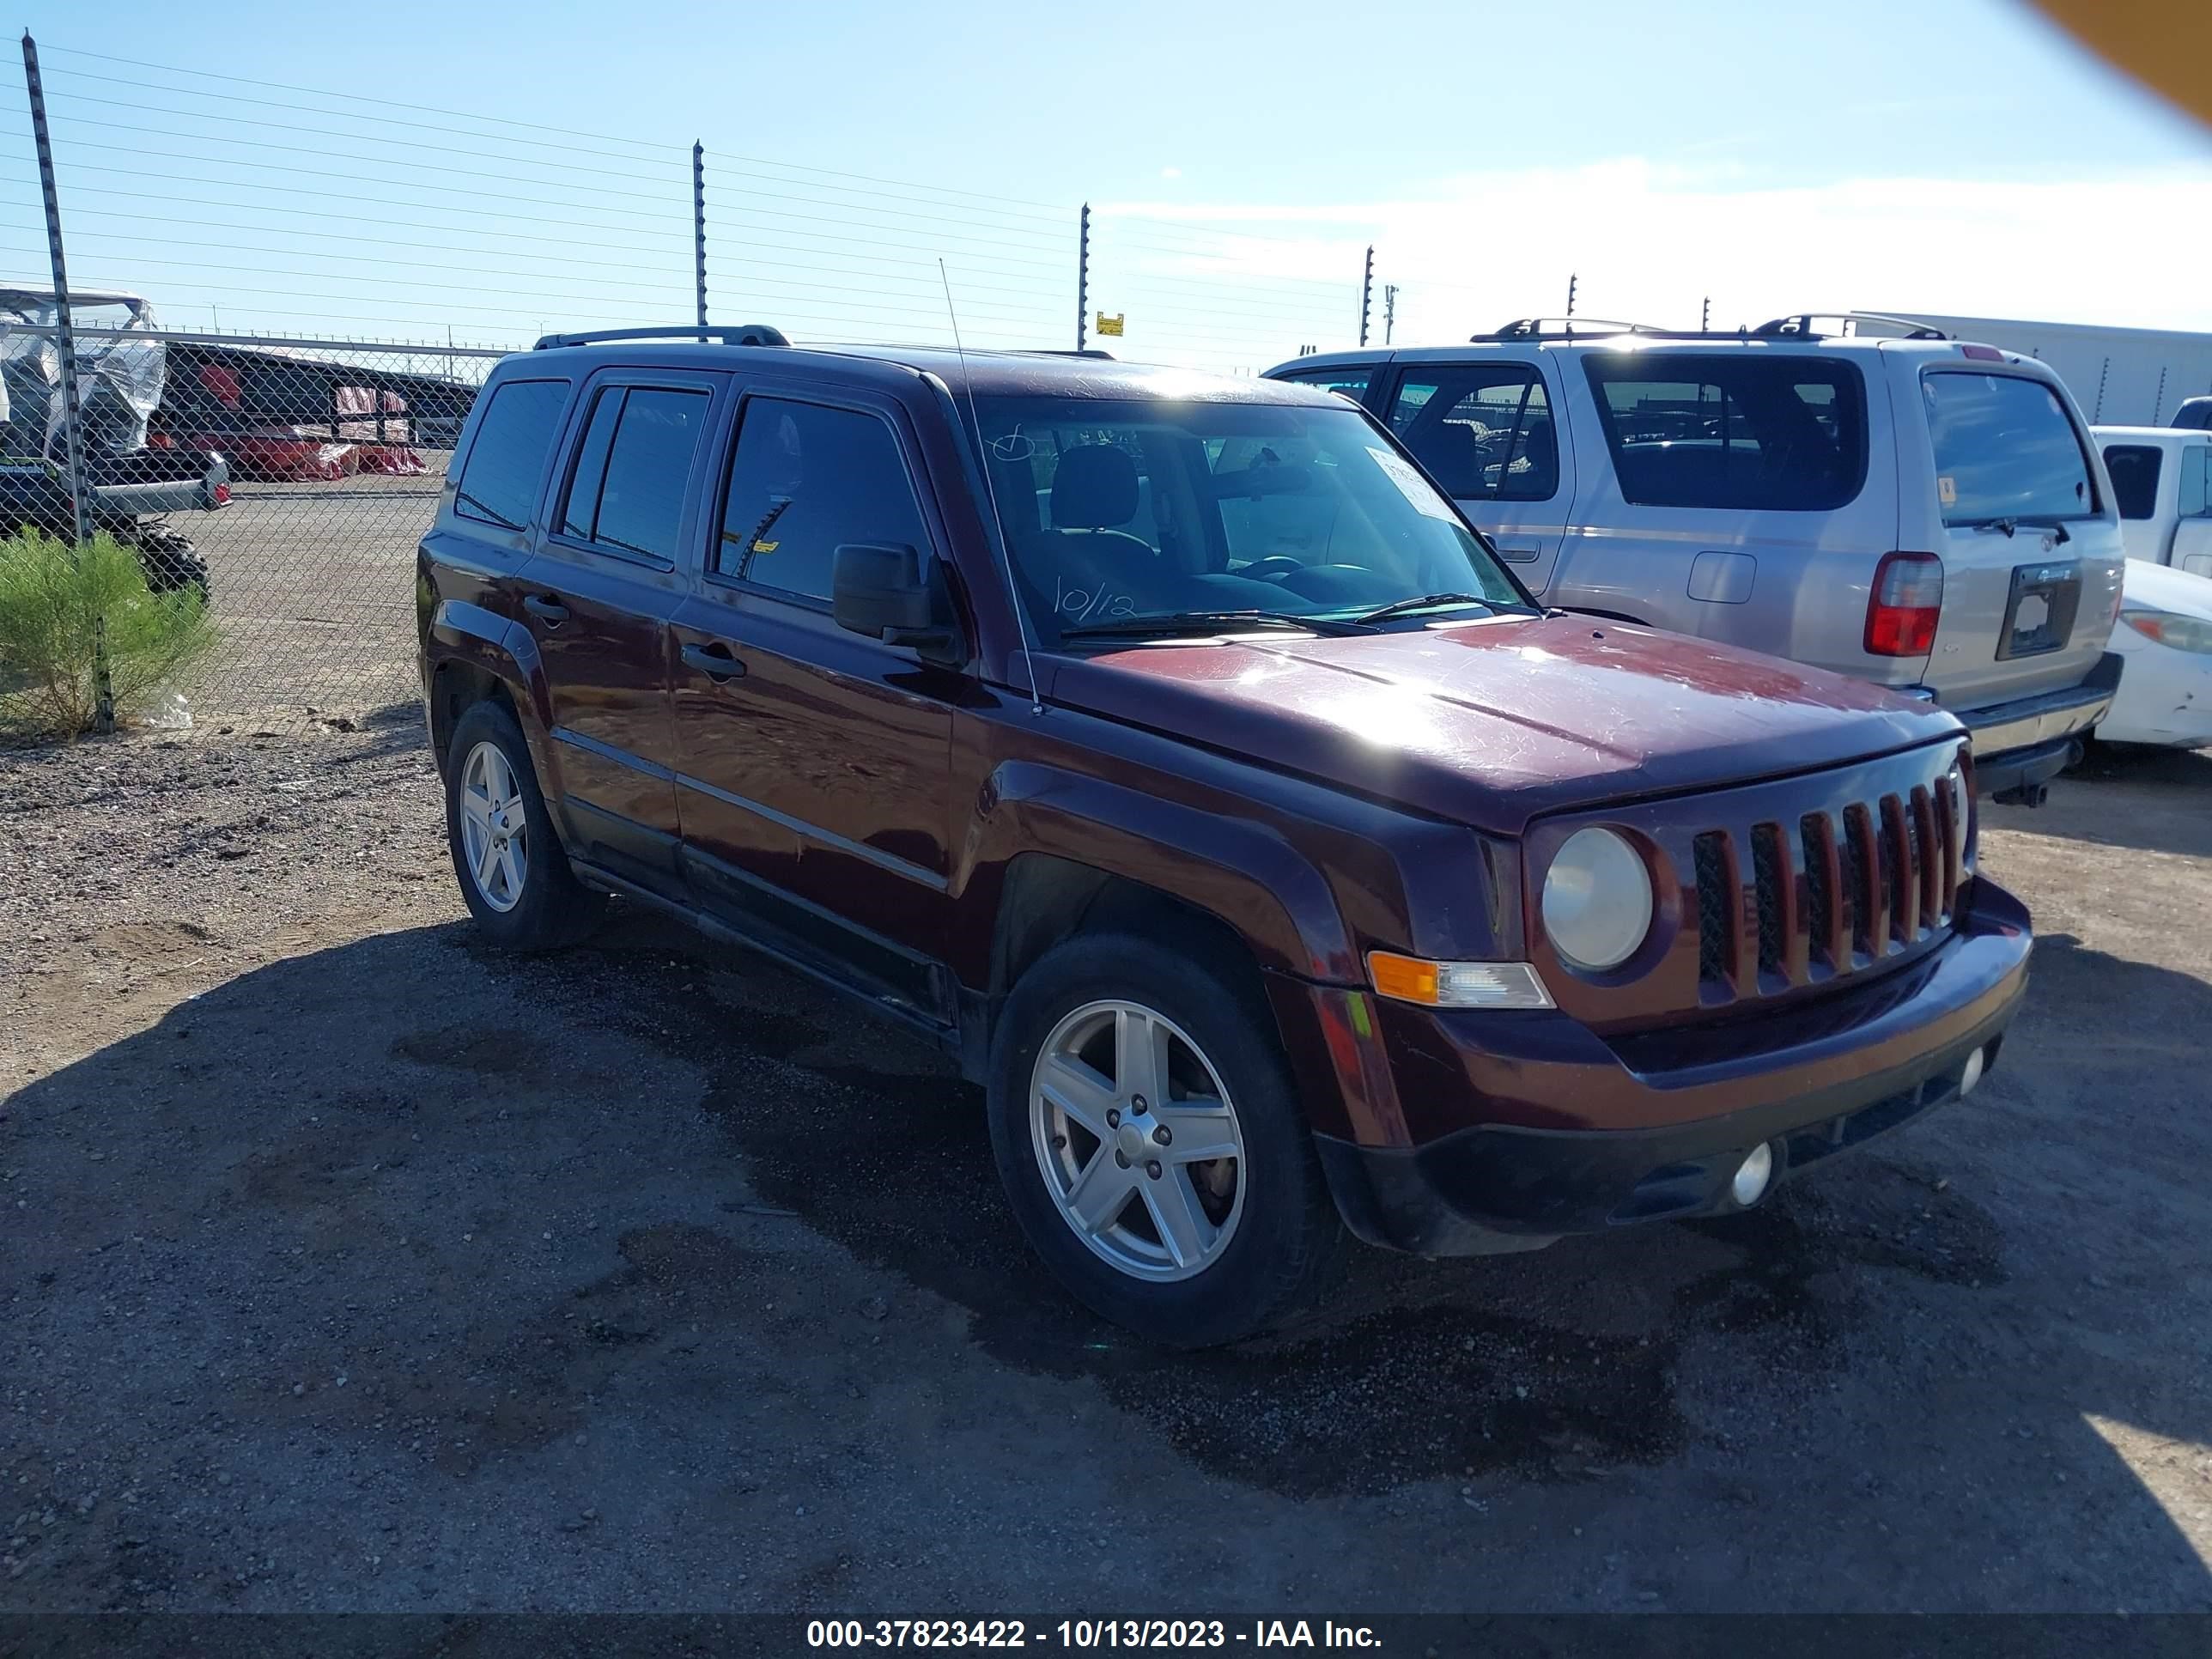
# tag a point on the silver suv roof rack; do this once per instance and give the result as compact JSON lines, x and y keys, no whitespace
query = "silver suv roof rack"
{"x":746,"y":334}
{"x":1562,"y":328}
{"x":1801,"y":325}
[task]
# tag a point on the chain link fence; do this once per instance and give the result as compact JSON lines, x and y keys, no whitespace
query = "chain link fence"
{"x":243,"y":241}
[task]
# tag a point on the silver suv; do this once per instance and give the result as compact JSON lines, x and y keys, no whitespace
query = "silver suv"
{"x":1921,"y":513}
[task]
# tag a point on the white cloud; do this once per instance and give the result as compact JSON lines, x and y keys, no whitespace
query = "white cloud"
{"x":1649,"y":241}
{"x":1170,"y":172}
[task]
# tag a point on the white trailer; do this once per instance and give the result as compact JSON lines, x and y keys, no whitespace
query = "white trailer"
{"x":2120,"y":376}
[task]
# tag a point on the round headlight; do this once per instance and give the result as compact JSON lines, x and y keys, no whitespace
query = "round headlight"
{"x":1597,"y":900}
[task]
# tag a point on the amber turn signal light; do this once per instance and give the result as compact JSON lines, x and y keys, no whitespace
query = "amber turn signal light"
{"x":1456,"y":984}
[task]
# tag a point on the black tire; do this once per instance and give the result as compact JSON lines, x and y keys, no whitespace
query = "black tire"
{"x":1288,"y":1239}
{"x":550,"y":908}
{"x":172,"y":563}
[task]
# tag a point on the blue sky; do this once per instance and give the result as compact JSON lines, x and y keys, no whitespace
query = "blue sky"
{"x":1961,"y":157}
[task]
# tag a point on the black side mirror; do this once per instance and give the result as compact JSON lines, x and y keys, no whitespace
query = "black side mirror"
{"x":891,"y":593}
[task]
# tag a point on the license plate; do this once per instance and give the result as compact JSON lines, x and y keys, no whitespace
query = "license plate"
{"x":2039,"y":614}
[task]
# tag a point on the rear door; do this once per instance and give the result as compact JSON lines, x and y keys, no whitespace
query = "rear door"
{"x":596,"y":599}
{"x":2031,"y":546}
{"x":1490,"y":432}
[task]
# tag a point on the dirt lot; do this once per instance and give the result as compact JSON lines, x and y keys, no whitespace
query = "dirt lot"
{"x":312,"y":587}
{"x":347,"y":1266}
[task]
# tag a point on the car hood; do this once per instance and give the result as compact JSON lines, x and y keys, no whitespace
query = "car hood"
{"x":2147,"y":587}
{"x":1492,"y":723}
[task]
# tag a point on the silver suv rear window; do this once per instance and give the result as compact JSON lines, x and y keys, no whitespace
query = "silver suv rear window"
{"x":2004,"y":449}
{"x":1737,"y":430}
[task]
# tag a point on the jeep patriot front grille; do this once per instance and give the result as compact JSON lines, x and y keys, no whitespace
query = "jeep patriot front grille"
{"x":1778,"y":889}
{"x":1782,"y":904}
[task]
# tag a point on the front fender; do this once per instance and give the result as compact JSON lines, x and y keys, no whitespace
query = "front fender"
{"x":1243,"y":871}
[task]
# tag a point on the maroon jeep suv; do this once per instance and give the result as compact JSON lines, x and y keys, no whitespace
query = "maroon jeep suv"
{"x":1171,"y":751}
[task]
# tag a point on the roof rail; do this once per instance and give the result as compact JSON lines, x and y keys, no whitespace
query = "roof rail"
{"x":747,"y":334}
{"x":1801,"y":325}
{"x":1561,"y":328}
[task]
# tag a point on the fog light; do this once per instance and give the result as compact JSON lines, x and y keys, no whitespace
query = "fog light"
{"x":1752,"y":1177}
{"x":1973,"y":1074}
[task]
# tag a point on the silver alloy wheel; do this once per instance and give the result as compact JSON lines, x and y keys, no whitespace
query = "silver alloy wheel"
{"x":1138,"y":1140}
{"x":494,"y":827}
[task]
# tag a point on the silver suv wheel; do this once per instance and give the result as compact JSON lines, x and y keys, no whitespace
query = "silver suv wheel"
{"x":1138,"y":1140}
{"x":494,"y":828}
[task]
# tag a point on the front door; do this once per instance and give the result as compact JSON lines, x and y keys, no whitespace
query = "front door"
{"x":597,"y":598}
{"x":814,"y":779}
{"x":1487,"y":431}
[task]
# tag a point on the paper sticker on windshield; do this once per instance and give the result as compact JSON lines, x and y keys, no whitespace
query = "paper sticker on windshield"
{"x":766,"y":547}
{"x":1947,"y":490}
{"x":1412,"y":486}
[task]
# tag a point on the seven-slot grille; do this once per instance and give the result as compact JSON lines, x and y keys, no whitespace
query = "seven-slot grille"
{"x":1829,"y":892}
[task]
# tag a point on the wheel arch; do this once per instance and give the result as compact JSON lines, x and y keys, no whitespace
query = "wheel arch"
{"x":473,"y":655}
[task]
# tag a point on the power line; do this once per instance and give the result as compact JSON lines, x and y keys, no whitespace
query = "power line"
{"x":496,"y":120}
{"x":381,"y":201}
{"x":342,"y":155}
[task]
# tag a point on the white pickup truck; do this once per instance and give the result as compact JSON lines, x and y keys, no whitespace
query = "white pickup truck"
{"x":2162,"y":478}
{"x":2162,"y":482}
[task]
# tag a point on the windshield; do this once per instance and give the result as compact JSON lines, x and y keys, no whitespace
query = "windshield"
{"x":1118,"y":511}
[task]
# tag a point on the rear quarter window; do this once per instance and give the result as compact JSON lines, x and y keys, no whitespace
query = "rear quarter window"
{"x":2005,"y":448}
{"x":507,"y":461}
{"x":2134,"y":469}
{"x":1745,"y":431}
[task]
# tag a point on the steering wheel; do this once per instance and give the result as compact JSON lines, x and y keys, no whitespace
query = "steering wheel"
{"x":1274,"y":567}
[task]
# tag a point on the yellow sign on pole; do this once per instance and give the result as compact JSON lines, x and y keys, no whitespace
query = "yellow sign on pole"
{"x":1109,"y":325}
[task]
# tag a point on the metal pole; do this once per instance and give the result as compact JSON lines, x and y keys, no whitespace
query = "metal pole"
{"x":1083,"y":278}
{"x":1705,"y":316}
{"x":1571,"y":280}
{"x":1366,"y":293}
{"x":2159,"y":401}
{"x":65,"y":344}
{"x":2103,"y":375}
{"x":699,"y":222}
{"x":1390,"y":311}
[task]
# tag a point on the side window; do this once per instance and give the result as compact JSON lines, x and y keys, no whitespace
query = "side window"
{"x":1351,"y":380}
{"x":2134,"y":468}
{"x":499,"y":482}
{"x":2195,"y":485}
{"x":1743,"y":430}
{"x":805,"y":479}
{"x":632,"y":467}
{"x":1485,"y":432}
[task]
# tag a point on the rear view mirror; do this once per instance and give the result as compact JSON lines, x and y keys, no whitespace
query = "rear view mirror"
{"x":891,"y":593}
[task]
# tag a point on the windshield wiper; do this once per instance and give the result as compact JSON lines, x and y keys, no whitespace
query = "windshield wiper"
{"x":2011,"y":527}
{"x":1208,"y":622}
{"x":1426,"y":602}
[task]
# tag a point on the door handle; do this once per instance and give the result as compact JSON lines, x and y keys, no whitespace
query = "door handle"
{"x":547,"y":609}
{"x":1509,"y":547}
{"x":715,"y":661}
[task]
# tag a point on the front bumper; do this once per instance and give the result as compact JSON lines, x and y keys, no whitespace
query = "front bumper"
{"x":2019,"y":745}
{"x":1574,"y":1132}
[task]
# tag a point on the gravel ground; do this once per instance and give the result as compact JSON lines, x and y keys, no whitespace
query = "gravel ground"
{"x":348,"y":1267}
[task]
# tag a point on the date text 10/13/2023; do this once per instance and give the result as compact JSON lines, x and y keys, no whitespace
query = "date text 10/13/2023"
{"x":1085,"y":1634}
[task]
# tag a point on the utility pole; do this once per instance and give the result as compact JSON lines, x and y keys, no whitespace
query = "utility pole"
{"x":1571,"y":283}
{"x":66,"y":347}
{"x":1390,"y":311}
{"x":699,"y":222}
{"x":1083,"y":278}
{"x":1705,"y":316}
{"x":1367,"y":294}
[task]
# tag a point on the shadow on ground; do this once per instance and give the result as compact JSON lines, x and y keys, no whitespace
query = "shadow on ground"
{"x":315,"y":1150}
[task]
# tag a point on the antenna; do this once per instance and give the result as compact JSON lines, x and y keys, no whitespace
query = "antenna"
{"x":991,"y":489}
